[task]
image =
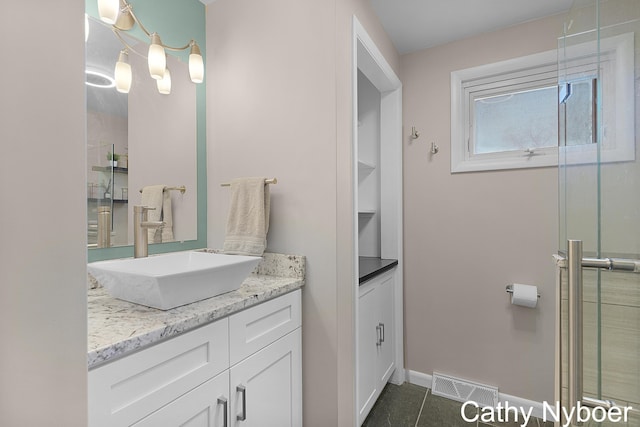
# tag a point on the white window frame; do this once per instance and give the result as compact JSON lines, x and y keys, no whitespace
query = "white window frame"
{"x":540,"y":70}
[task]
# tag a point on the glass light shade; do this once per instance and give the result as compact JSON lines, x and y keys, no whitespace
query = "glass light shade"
{"x":86,"y":27}
{"x":196,"y":66}
{"x":123,"y":74}
{"x":157,"y":58}
{"x":109,"y":10}
{"x":164,"y":84}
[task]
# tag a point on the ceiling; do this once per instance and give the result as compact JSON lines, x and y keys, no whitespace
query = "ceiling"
{"x":418,"y":24}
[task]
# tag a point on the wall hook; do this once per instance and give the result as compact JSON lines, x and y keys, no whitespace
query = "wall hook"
{"x":414,"y":133}
{"x":434,"y":148}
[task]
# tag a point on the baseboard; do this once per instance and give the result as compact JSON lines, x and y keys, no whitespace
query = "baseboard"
{"x":425,"y":380}
{"x":398,"y":376}
{"x":418,"y":378}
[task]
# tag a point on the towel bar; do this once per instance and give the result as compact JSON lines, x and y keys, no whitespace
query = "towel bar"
{"x":266,"y":181}
{"x":182,"y":189}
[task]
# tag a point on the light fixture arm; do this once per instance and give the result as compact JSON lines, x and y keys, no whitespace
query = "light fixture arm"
{"x":116,"y":31}
{"x":128,"y":8}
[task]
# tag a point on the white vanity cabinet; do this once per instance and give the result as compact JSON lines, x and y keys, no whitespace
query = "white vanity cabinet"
{"x":376,"y":341}
{"x":194,"y":378}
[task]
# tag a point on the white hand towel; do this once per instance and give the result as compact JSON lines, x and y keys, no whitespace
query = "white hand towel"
{"x":248,"y":219}
{"x":153,"y":197}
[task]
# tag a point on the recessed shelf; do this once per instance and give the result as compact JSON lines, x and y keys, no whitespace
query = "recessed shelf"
{"x":108,"y":169}
{"x":106,"y":201}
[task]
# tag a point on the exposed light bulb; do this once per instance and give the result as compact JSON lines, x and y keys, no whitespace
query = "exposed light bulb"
{"x":157,"y":58}
{"x":164,"y":84}
{"x":109,"y":10}
{"x":196,"y":66}
{"x":122,"y":73}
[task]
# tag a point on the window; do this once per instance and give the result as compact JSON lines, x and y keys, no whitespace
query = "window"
{"x":505,"y":115}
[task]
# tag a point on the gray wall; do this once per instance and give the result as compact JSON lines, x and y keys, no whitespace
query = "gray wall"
{"x":469,"y":235}
{"x":42,"y":217}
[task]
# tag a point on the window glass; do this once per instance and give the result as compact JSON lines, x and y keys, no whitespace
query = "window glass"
{"x":516,"y":121}
{"x":580,"y":112}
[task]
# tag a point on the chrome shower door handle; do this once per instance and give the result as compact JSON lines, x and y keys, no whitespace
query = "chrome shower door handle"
{"x":575,"y":262}
{"x":242,"y":389}
{"x":225,"y":404}
{"x":574,"y":278}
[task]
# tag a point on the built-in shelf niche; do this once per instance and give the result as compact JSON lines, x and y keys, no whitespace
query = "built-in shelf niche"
{"x":368,"y":168}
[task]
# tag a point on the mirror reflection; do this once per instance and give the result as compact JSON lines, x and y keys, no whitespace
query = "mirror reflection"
{"x":143,"y":140}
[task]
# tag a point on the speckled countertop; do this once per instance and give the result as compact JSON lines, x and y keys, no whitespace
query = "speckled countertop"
{"x":116,"y":328}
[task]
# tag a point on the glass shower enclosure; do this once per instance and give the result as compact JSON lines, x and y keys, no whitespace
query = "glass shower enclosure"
{"x":598,"y":365}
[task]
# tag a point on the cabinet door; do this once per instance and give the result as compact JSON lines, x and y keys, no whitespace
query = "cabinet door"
{"x":368,"y":342}
{"x":385,"y":363}
{"x":204,"y":406}
{"x":266,"y":388}
{"x":125,"y":391}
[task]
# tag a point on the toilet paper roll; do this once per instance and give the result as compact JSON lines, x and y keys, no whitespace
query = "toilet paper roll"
{"x":524,"y":295}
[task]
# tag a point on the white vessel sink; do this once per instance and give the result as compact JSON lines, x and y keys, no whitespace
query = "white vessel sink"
{"x":170,"y":280}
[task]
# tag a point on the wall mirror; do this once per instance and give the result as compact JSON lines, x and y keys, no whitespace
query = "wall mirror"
{"x":139,"y":139}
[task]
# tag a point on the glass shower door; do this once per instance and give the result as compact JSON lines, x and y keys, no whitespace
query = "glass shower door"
{"x":599,"y":189}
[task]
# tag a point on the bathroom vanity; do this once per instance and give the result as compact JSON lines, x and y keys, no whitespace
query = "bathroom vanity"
{"x":231,"y":360}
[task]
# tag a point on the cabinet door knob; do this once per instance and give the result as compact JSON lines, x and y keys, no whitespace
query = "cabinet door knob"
{"x":382,"y":332}
{"x":225,"y":404}
{"x":242,"y":389}
{"x":378,"y":335}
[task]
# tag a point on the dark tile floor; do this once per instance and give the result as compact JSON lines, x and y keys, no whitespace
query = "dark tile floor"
{"x":410,"y":405}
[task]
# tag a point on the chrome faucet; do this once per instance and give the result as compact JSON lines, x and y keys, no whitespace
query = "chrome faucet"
{"x":140,"y":226}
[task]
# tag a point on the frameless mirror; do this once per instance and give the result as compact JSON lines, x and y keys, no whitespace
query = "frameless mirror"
{"x":137,"y":140}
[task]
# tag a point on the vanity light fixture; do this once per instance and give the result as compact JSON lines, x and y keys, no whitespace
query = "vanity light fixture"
{"x":86,"y":27}
{"x":164,"y":84}
{"x":122,"y":72}
{"x":196,"y":67}
{"x":119,"y":14}
{"x":157,"y":58}
{"x":109,"y":10}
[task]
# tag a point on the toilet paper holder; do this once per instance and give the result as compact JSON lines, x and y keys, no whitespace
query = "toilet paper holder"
{"x":510,"y":290}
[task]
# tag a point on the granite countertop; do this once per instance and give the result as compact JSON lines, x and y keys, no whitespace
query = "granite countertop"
{"x":370,"y":267}
{"x":117,"y":328}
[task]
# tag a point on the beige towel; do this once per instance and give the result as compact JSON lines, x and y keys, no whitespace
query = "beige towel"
{"x":166,"y":232}
{"x":248,"y":219}
{"x":155,"y":196}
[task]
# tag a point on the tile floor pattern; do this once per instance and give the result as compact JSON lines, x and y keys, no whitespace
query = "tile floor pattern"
{"x":410,"y":405}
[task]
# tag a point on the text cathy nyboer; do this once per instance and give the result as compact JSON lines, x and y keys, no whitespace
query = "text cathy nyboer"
{"x":504,"y":412}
